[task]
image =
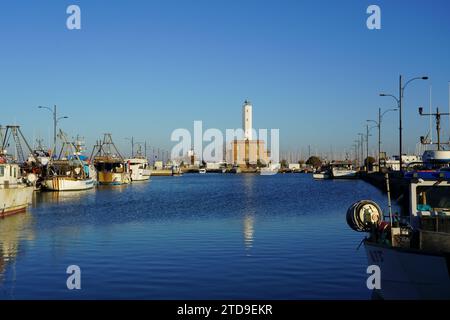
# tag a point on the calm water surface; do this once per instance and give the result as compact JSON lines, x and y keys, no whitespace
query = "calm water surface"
{"x":207,"y":236}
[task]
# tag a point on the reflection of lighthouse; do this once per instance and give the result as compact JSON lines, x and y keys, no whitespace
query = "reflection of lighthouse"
{"x":249,"y":222}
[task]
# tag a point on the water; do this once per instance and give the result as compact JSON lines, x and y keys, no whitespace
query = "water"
{"x":207,"y":236}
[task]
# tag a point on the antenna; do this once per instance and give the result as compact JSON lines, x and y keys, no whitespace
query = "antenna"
{"x":437,"y":115}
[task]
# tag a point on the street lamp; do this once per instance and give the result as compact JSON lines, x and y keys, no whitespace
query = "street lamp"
{"x":362,"y":147}
{"x":399,"y":100}
{"x":132,"y":145}
{"x":378,"y":124}
{"x":55,"y":123}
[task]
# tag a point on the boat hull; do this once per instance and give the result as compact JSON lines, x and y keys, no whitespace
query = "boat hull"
{"x":410,"y":274}
{"x":112,"y":178}
{"x":343,"y":174}
{"x":67,"y":184}
{"x":15,"y":199}
{"x":320,"y":176}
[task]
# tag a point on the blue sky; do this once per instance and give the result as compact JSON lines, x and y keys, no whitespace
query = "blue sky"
{"x":144,"y":68}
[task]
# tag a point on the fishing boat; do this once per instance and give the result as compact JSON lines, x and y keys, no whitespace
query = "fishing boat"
{"x":139,"y":168}
{"x":71,"y":172}
{"x":109,"y":163}
{"x":342,"y":170}
{"x":202,"y":170}
{"x":271,"y":169}
{"x":321,"y":175}
{"x":411,"y":249}
{"x":15,"y":193}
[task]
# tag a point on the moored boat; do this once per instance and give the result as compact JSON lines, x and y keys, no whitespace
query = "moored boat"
{"x":412,"y":249}
{"x":342,"y":170}
{"x":139,"y":169}
{"x":15,"y":194}
{"x":71,"y":173}
{"x":110,"y":165}
{"x":321,"y":175}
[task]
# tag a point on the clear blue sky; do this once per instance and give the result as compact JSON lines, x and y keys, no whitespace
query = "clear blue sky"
{"x":144,"y":68}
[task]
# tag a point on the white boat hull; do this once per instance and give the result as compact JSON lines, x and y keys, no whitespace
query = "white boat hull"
{"x":410,"y":274}
{"x":321,"y":176}
{"x":67,"y":184}
{"x":140,"y":175}
{"x":15,"y":199}
{"x":343,"y":174}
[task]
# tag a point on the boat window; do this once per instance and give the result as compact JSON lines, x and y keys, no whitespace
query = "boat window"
{"x":2,"y":171}
{"x":433,"y":198}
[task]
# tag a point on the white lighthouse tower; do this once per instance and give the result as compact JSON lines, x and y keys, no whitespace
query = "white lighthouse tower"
{"x":247,"y":120}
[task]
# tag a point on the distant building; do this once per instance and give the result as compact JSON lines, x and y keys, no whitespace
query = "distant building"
{"x":247,"y":120}
{"x":394,"y":163}
{"x":294,"y":166}
{"x":247,"y":151}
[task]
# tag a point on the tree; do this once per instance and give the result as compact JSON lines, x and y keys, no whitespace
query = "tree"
{"x":314,"y":161}
{"x":284,"y":164}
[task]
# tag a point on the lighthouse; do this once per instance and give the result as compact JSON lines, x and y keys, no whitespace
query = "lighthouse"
{"x":247,"y":120}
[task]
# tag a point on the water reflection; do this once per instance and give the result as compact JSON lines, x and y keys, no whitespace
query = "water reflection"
{"x":249,"y":222}
{"x":12,"y":230}
{"x":61,"y":197}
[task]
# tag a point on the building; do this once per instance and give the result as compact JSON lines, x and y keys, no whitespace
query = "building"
{"x":247,"y":120}
{"x":247,"y":151}
{"x":394,"y":163}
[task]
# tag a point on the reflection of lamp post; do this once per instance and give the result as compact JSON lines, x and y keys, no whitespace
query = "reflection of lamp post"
{"x":55,"y":123}
{"x":400,"y":106}
{"x":378,"y":123}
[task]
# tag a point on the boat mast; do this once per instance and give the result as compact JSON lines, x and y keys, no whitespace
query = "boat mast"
{"x":437,"y":116}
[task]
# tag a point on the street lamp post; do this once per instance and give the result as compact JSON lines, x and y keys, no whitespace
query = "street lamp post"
{"x":55,"y":123}
{"x":378,"y":124}
{"x":400,"y":107}
{"x":356,"y":145}
{"x":361,"y":142}
{"x":132,"y":145}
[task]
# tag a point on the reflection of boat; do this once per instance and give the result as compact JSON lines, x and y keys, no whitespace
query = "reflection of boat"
{"x":70,"y":173}
{"x":12,"y":230}
{"x":110,"y":165}
{"x":15,"y":196}
{"x":342,"y":170}
{"x":411,"y":250}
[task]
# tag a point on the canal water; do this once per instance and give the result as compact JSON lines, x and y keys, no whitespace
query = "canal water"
{"x":210,"y":236}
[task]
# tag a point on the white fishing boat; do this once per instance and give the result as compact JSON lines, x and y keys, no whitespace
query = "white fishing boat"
{"x":15,"y":194}
{"x":321,"y":175}
{"x":139,"y":169}
{"x":342,"y":170}
{"x":71,"y":173}
{"x":202,"y":170}
{"x":270,"y":170}
{"x":412,"y":250}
